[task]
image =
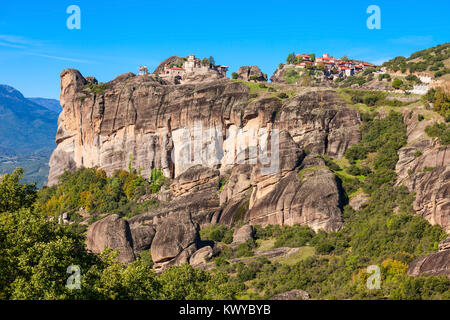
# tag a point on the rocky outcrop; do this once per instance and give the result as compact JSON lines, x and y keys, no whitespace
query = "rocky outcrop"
{"x":292,"y":295}
{"x":358,"y":201}
{"x":444,"y":244}
{"x":174,"y":127}
{"x":242,"y":234}
{"x":235,"y":193}
{"x":307,"y":194}
{"x":206,"y":136}
{"x":424,"y":167}
{"x":196,"y":179}
{"x":201,"y":256}
{"x":251,"y":73}
{"x":142,"y":236}
{"x":320,"y":123}
{"x":278,"y":75}
{"x":434,"y":264}
{"x":139,"y":117}
{"x":111,"y":232}
{"x":175,"y":241}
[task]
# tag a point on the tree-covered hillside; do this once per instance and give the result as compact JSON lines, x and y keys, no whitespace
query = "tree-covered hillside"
{"x":435,"y":61}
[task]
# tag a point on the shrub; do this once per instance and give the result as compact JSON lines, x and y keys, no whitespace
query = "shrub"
{"x":283,"y":95}
{"x":293,"y":236}
{"x":244,"y":273}
{"x":324,"y":248}
{"x":396,"y":84}
{"x":440,"y":131}
{"x":217,"y":233}
{"x":356,"y":152}
{"x":245,"y":249}
{"x":96,"y":88}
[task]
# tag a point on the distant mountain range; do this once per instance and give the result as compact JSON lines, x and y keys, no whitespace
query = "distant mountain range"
{"x":50,"y":104}
{"x":27,"y":133}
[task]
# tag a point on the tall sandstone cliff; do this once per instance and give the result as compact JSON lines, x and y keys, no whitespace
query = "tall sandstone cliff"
{"x":197,"y":134}
{"x":424,"y":167}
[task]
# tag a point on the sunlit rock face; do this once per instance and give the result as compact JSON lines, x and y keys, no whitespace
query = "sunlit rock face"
{"x":424,"y":167}
{"x":230,"y":156}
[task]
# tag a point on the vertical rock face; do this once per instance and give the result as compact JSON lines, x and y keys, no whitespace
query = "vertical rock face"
{"x":424,"y":167}
{"x":204,"y":136}
{"x":136,"y":115}
{"x":319,"y":122}
{"x":173,"y":127}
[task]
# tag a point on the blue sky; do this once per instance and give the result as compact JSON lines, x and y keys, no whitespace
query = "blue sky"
{"x":118,"y":36}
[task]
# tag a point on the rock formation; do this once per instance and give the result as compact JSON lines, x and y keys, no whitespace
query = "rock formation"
{"x":424,"y":167}
{"x":201,"y":256}
{"x":358,"y":201}
{"x":205,"y":136}
{"x":251,"y":73}
{"x":434,"y":264}
{"x":242,"y":234}
{"x":111,"y":232}
{"x":175,"y":241}
{"x":292,"y":295}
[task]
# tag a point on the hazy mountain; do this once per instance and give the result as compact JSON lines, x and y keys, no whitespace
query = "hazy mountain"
{"x":27,"y":135}
{"x":50,"y":104}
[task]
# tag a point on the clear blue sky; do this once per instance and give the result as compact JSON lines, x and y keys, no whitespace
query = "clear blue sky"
{"x":118,"y":36}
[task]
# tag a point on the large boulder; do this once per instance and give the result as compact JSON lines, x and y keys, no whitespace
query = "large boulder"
{"x":251,"y":73}
{"x":201,"y":256}
{"x":434,"y":264}
{"x":142,"y":236}
{"x":174,"y":242}
{"x":111,"y":232}
{"x":242,"y":234}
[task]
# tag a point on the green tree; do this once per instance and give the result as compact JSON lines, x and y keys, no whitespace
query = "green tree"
{"x":291,"y":58}
{"x":36,"y":253}
{"x":13,"y":194}
{"x":397,"y":83}
{"x":205,"y":61}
